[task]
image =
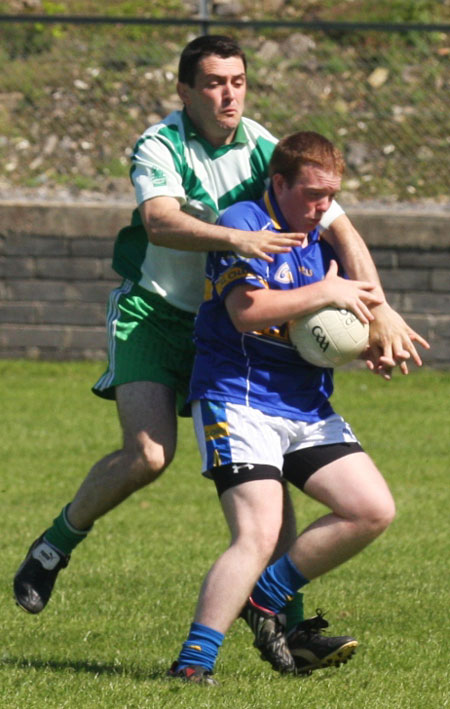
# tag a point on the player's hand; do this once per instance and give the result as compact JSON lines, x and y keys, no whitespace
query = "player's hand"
{"x":391,"y":342}
{"x":357,"y":296}
{"x":383,"y":367}
{"x":260,"y":244}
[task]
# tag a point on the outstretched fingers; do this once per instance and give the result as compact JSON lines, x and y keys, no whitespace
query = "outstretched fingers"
{"x":260,"y":244}
{"x":408,"y":345}
{"x":393,"y":339}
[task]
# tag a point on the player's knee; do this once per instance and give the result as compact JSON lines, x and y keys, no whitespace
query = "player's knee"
{"x":262,"y":541}
{"x":153,"y":461}
{"x":377,"y":516}
{"x":148,"y":462}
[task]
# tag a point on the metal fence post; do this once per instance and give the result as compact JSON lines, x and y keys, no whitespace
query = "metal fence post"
{"x":204,"y":14}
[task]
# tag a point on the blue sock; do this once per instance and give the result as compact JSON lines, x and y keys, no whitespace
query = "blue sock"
{"x":201,"y":647}
{"x":277,"y":584}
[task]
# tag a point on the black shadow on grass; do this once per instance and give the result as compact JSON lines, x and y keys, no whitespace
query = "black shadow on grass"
{"x":89,"y":667}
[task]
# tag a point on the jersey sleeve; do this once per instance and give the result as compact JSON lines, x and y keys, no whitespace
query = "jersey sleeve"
{"x":228,"y":270}
{"x":233,"y":270}
{"x":155,"y":172}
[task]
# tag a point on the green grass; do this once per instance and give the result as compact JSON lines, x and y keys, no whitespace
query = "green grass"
{"x":122,"y":608}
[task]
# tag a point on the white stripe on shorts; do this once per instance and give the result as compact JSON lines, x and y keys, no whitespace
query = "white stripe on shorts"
{"x":241,"y":434}
{"x":112,"y":317}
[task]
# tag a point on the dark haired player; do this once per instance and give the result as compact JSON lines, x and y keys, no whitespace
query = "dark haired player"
{"x":185,"y":170}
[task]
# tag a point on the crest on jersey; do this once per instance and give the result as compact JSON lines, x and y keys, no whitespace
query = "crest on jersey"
{"x":158,"y":177}
{"x":283,"y":274}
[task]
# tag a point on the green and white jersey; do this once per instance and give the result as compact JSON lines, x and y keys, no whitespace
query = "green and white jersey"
{"x":172,"y":159}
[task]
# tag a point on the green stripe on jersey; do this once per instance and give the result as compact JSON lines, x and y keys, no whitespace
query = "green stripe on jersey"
{"x":253,"y":187}
{"x":172,"y":160}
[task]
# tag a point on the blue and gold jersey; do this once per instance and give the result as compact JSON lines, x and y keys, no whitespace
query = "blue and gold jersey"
{"x":260,"y":369}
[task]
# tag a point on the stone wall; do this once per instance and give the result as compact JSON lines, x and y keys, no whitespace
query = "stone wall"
{"x":55,"y":275}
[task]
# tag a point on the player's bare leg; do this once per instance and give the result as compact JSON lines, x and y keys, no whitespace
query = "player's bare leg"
{"x":293,"y":612}
{"x":362,"y":508}
{"x":253,"y":511}
{"x":288,"y":531}
{"x":148,"y":418}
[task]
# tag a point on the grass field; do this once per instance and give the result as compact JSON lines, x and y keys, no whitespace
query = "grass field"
{"x":122,"y":608}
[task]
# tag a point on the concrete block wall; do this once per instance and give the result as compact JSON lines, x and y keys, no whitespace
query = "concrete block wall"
{"x":412,"y":254}
{"x":55,"y":275}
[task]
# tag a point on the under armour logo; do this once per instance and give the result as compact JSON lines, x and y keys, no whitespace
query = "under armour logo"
{"x":240,"y":466}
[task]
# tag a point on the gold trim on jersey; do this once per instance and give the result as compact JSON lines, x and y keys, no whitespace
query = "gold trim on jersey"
{"x":277,"y":333}
{"x":271,"y":211}
{"x":235,"y":273}
{"x":208,"y":290}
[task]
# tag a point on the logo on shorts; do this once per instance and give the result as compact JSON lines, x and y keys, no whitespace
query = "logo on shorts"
{"x":237,"y":467}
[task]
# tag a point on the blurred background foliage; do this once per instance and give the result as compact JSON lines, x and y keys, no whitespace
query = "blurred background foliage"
{"x":75,"y":97}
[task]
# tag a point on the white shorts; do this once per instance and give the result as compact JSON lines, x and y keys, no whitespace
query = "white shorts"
{"x":233,"y":433}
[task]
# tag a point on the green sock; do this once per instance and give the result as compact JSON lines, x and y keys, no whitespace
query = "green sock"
{"x":293,"y":610}
{"x":62,"y":535}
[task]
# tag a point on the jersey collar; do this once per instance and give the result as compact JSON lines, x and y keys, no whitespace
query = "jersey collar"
{"x":270,"y":205}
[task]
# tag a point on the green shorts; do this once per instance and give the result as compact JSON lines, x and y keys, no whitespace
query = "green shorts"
{"x":148,"y":340}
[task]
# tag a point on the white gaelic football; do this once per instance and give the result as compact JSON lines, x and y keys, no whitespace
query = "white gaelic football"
{"x":330,"y":337}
